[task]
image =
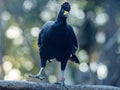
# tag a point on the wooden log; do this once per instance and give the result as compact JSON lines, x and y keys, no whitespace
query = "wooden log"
{"x":26,"y":85}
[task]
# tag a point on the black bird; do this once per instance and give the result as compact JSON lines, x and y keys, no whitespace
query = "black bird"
{"x":57,"y":40}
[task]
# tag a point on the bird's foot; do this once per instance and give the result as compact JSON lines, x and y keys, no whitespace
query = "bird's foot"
{"x":61,"y":81}
{"x":62,"y":84}
{"x":37,"y":76}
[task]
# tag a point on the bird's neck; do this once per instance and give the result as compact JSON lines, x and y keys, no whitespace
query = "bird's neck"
{"x":61,"y":19}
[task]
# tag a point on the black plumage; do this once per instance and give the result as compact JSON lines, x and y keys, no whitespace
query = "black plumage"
{"x":57,"y":39}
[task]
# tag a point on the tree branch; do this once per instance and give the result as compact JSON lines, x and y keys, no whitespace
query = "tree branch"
{"x":25,"y":85}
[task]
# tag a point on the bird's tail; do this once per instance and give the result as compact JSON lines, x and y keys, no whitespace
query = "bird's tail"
{"x":74,"y":58}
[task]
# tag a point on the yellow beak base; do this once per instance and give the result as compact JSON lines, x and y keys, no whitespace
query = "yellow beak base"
{"x":65,"y":13}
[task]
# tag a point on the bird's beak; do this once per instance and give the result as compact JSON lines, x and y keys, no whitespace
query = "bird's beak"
{"x":65,"y":13}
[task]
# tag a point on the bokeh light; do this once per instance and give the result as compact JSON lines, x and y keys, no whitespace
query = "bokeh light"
{"x":101,"y":18}
{"x":13,"y":74}
{"x":82,"y":55}
{"x":77,"y":12}
{"x":7,"y":66}
{"x":18,"y":41}
{"x":100,"y":37}
{"x":52,"y":79}
{"x":102,"y":71}
{"x":29,"y":4}
{"x":28,"y":65}
{"x":35,"y":31}
{"x":5,"y":15}
{"x":13,"y":32}
{"x":45,"y":15}
{"x":83,"y":67}
{"x":93,"y":66}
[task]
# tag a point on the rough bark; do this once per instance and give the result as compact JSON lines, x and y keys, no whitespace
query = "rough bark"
{"x":25,"y":85}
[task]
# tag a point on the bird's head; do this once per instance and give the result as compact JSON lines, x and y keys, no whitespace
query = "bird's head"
{"x":65,"y":8}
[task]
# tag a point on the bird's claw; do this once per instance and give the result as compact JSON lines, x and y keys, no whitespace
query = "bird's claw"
{"x":37,"y":76}
{"x":62,"y":84}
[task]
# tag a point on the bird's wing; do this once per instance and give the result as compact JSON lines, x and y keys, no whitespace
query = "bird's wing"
{"x":73,"y":43}
{"x":72,"y":39}
{"x":45,"y":28}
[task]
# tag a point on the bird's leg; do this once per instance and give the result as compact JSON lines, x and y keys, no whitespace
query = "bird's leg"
{"x":62,"y":80}
{"x":39,"y":75}
{"x":62,"y":76}
{"x":62,"y":84}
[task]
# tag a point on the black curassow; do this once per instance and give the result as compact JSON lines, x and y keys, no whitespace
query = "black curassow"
{"x":57,"y":40}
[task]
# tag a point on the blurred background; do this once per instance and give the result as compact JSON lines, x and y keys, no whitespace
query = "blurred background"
{"x":96,"y":24}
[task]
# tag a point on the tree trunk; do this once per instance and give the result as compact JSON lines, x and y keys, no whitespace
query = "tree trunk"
{"x":25,"y":85}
